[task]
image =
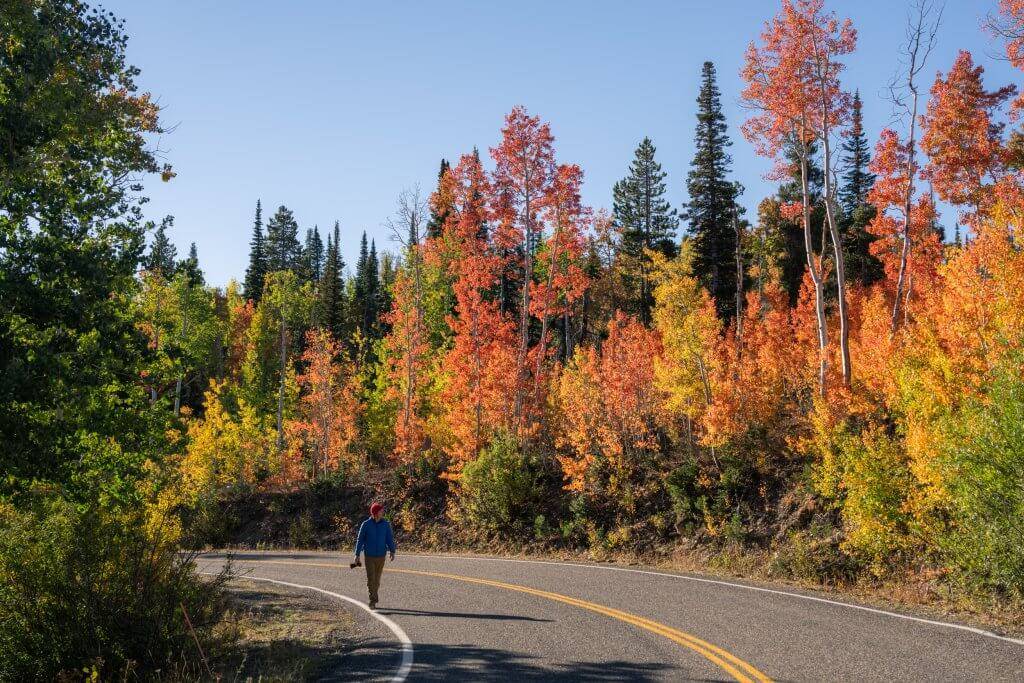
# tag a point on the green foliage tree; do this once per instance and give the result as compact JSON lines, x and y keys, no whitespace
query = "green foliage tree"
{"x":646,"y":221}
{"x":162,"y":256}
{"x":257,"y":269}
{"x":71,"y":242}
{"x":331,"y":289}
{"x":190,"y":267}
{"x":283,"y":251}
{"x":857,"y":213}
{"x":712,"y":208}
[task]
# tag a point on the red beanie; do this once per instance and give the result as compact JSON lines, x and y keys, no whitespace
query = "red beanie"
{"x":375,"y":508}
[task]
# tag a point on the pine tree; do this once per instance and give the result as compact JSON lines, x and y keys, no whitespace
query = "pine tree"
{"x":712,"y":206}
{"x":311,"y":259}
{"x":861,"y":266}
{"x":646,"y":221}
{"x":190,"y":267}
{"x":360,"y":287}
{"x":371,"y":315}
{"x":162,"y":256}
{"x":331,"y":291}
{"x":282,"y":247}
{"x":438,"y":214}
{"x":257,"y":270}
{"x":315,"y":249}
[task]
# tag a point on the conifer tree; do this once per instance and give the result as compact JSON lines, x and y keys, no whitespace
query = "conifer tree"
{"x":646,"y":221}
{"x":257,"y":270}
{"x":190,"y":267}
{"x":311,"y":261}
{"x":162,"y":258}
{"x":282,"y":246}
{"x":359,"y":287}
{"x":438,"y":214}
{"x":331,"y":290}
{"x":372,"y":310}
{"x":712,"y":206}
{"x":861,"y":266}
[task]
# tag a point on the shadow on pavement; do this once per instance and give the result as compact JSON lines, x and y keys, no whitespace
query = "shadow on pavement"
{"x":464,"y":615}
{"x":435,"y":662}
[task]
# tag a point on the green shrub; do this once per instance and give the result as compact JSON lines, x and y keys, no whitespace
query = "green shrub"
{"x":499,"y":491}
{"x":688,"y":501}
{"x":83,"y":589}
{"x":982,"y":462}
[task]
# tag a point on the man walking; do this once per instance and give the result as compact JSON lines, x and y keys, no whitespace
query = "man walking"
{"x":375,"y":540}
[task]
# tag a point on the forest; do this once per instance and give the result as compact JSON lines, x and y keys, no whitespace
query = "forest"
{"x":832,"y":386}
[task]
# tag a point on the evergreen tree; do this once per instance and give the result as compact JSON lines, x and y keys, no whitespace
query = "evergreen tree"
{"x":371,"y":316}
{"x":438,"y":215}
{"x":315,"y":250}
{"x":257,"y":270}
{"x":861,"y":266}
{"x":857,"y":180}
{"x":311,"y":260}
{"x":190,"y":267}
{"x":331,"y":291}
{"x":282,"y":247}
{"x":712,"y":207}
{"x":162,"y":257}
{"x":646,"y":221}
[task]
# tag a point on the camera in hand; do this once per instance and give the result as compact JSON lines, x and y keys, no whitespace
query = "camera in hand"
{"x":355,"y":564}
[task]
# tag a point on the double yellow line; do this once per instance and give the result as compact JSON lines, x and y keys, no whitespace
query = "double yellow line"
{"x":734,"y":666}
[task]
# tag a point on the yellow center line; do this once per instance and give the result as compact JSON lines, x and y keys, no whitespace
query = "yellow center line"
{"x":735,"y":667}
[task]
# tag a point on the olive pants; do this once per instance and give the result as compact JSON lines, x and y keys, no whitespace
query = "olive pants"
{"x":374,"y":569}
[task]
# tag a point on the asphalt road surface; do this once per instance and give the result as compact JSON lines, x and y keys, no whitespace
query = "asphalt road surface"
{"x":490,"y":619}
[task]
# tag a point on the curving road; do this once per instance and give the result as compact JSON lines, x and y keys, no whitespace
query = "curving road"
{"x":473,"y":618}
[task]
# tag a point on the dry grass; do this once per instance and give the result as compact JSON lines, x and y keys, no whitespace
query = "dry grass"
{"x":281,"y":634}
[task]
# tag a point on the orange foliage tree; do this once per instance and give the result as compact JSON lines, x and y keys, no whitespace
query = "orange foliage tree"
{"x":610,"y":407}
{"x":482,"y":359}
{"x":325,"y":430}
{"x":963,"y":137}
{"x":520,"y":188}
{"x":792,"y":82}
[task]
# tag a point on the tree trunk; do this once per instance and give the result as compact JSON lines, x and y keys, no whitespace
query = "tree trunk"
{"x":837,"y":245}
{"x":812,"y":266}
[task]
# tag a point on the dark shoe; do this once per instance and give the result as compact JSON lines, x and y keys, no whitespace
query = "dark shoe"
{"x":373,"y":605}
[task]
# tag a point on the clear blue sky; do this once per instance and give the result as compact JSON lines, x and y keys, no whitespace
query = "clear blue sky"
{"x":331,"y":108}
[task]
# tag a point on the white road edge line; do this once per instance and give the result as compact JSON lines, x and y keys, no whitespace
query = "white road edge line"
{"x":874,"y":610}
{"x":407,"y":652}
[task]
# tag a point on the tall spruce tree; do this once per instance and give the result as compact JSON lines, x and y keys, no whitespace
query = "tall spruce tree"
{"x":371,"y":316}
{"x":861,"y":266}
{"x":282,"y":246}
{"x":712,"y":207}
{"x":311,"y":261}
{"x":190,"y":267}
{"x":646,"y":221}
{"x":331,"y":290}
{"x":162,"y":257}
{"x":256,"y":273}
{"x":438,"y":214}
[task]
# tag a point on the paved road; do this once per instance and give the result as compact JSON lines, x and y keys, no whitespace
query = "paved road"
{"x":474,"y":618}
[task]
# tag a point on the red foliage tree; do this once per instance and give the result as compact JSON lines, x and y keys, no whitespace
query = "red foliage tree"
{"x":793,"y":84}
{"x":962,"y":137}
{"x":482,"y":359}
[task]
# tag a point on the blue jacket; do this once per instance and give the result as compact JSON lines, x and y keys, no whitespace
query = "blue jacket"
{"x":375,"y":538}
